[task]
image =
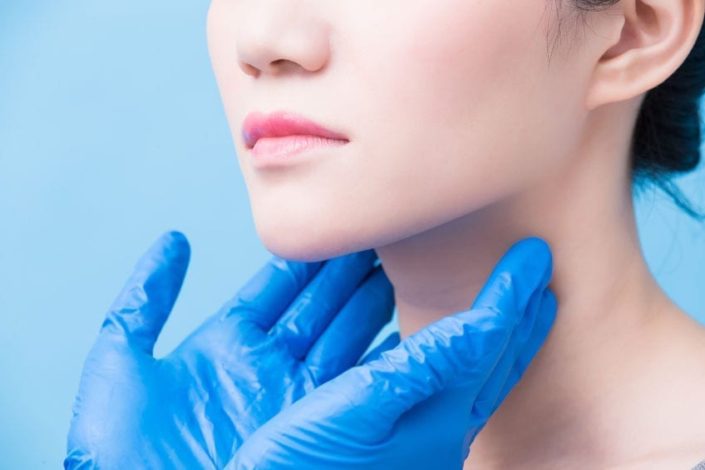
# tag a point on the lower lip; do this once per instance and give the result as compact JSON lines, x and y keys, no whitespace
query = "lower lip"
{"x":281,"y":150}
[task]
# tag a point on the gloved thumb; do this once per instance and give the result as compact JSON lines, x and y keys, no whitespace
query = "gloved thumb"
{"x":142,"y":307}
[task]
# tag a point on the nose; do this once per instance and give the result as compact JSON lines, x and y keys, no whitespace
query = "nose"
{"x":277,"y":37}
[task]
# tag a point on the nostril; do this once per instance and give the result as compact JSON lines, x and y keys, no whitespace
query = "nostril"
{"x":249,"y":69}
{"x":281,"y":66}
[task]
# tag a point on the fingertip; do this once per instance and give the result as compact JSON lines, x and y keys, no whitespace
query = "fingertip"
{"x":538,"y":251}
{"x":380,"y":286}
{"x":365,"y":258}
{"x":535,"y":242}
{"x":174,"y":242}
{"x":146,"y":299}
{"x":393,"y":339}
{"x":166,"y":259}
{"x":171,"y":249}
{"x":526,"y":267}
{"x":175,"y":235}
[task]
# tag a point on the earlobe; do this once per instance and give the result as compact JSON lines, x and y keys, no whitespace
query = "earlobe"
{"x":655,"y":38}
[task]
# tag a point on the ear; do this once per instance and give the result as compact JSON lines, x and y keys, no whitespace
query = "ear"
{"x":655,"y":39}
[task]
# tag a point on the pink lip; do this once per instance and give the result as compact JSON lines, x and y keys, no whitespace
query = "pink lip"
{"x":283,"y":124}
{"x":277,"y":152}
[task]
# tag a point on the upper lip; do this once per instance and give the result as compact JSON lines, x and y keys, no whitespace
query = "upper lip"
{"x":280,"y":124}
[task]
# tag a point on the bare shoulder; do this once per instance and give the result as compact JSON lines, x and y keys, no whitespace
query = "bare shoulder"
{"x":664,"y":403}
{"x":677,"y":383}
{"x":684,"y":459}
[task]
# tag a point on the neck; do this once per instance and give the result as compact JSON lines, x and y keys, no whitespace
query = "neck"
{"x":607,"y":298}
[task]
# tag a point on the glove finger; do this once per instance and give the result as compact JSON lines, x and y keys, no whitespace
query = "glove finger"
{"x":457,"y":351}
{"x":527,"y":266}
{"x":387,"y":343}
{"x":352,"y":330}
{"x":266,"y":295}
{"x":142,"y":307}
{"x":543,"y":324}
{"x":313,"y":310}
{"x":540,"y":314}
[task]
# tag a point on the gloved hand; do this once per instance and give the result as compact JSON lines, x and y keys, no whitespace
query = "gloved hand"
{"x":293,"y":326}
{"x":421,"y":404}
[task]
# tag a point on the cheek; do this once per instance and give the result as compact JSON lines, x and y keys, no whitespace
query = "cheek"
{"x":462,"y":99}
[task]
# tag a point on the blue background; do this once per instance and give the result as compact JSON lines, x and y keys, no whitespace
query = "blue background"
{"x":111,"y":132}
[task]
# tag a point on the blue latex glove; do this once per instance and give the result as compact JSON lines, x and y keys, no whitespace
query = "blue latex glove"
{"x":421,"y":404}
{"x":293,"y":326}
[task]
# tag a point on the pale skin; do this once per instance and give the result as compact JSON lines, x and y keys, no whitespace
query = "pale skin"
{"x":464,"y":138}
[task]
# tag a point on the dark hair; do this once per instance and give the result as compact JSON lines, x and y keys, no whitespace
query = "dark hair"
{"x":667,"y":136}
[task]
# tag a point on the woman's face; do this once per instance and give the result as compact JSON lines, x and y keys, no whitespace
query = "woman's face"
{"x":448,"y":106}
